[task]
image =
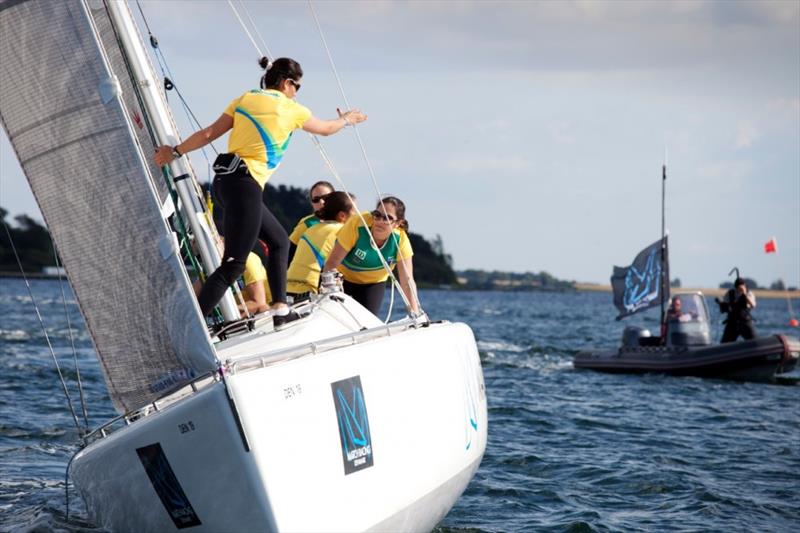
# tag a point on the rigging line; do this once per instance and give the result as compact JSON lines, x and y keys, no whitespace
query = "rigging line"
{"x":316,"y":141}
{"x":358,"y":138}
{"x":344,"y":97}
{"x":255,"y":29}
{"x":146,"y":25}
{"x":139,"y":98}
{"x":131,"y":77}
{"x":244,"y":27}
{"x":333,"y":170}
{"x":166,"y":71}
{"x":71,"y":339}
{"x":162,"y":62}
{"x":44,"y":330}
{"x":145,"y":115}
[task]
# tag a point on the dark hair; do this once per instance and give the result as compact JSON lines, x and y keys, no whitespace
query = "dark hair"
{"x":281,"y":69}
{"x":399,"y":209}
{"x":335,"y":202}
{"x":321,"y":183}
{"x":739,"y":281}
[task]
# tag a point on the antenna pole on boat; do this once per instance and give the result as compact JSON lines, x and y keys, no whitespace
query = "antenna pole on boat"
{"x":663,"y":248}
{"x":167,"y":133}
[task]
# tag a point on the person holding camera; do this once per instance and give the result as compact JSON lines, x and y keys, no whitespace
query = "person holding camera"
{"x":738,"y":303}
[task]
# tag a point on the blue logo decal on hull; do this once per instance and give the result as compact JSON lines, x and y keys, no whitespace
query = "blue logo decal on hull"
{"x":167,"y":487}
{"x":351,"y":415}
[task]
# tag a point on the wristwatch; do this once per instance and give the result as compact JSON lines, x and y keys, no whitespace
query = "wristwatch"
{"x":175,"y":152}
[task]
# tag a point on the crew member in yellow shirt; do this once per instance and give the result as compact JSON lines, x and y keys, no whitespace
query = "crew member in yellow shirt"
{"x":316,"y":195}
{"x":316,"y":243}
{"x":359,"y":263}
{"x":262,"y":122}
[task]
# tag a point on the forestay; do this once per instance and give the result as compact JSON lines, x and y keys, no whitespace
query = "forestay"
{"x":75,"y":140}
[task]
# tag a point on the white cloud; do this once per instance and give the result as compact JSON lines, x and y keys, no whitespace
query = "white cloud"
{"x":562,"y":132}
{"x":746,"y":135}
{"x":784,"y":105}
{"x":732,"y":174}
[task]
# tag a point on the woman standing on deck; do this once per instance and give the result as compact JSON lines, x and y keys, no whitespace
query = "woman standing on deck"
{"x":262,"y":121}
{"x":359,"y":263}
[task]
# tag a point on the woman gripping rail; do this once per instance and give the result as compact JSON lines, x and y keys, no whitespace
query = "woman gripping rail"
{"x":360,"y":264}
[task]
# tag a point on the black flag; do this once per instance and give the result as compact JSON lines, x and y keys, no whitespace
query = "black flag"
{"x":639,"y":286}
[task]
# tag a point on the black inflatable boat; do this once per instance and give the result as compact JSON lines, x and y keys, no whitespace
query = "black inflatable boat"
{"x":688,"y":351}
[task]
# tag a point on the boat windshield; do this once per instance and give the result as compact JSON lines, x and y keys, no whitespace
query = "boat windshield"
{"x":687,"y":321}
{"x":687,"y":308}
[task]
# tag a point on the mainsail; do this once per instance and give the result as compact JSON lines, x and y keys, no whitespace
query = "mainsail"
{"x":639,"y":286}
{"x":76,"y":141}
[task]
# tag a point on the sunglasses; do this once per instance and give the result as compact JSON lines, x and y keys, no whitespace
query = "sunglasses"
{"x":316,"y":199}
{"x":377,"y":215}
{"x":294,"y":83}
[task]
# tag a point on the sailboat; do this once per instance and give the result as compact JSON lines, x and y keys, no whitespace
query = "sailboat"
{"x":337,"y":423}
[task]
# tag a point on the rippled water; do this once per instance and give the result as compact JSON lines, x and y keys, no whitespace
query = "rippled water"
{"x":568,"y":450}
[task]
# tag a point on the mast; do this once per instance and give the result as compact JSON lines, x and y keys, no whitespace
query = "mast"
{"x":167,"y":134}
{"x":663,"y":247}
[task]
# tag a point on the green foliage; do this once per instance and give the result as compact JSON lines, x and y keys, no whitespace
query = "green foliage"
{"x":751,"y":284}
{"x":32,"y":242}
{"x":430,"y":267}
{"x":777,"y":285}
{"x":288,"y":204}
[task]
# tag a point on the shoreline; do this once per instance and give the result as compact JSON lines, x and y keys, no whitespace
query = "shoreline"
{"x":29,"y":275}
{"x":581,"y":287}
{"x":713,"y":292}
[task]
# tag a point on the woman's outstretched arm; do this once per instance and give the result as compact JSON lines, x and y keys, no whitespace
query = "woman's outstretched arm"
{"x":196,"y":140}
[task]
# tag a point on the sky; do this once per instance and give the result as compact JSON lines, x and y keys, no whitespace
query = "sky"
{"x":530,"y":135}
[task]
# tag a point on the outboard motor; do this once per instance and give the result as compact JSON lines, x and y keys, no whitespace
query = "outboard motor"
{"x":632,"y":334}
{"x":687,"y":321}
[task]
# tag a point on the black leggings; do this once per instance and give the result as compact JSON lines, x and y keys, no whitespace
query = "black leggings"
{"x":370,"y":295}
{"x":246,"y":219}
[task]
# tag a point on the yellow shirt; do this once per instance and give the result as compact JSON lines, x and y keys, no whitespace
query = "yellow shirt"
{"x":254,"y":272}
{"x":263,"y":122}
{"x":362,"y":263}
{"x":313,"y":249}
{"x":301,"y":227}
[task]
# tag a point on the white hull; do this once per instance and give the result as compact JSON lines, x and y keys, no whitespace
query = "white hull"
{"x":424,"y":428}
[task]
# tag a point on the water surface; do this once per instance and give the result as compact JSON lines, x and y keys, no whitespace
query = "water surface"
{"x":568,"y":450}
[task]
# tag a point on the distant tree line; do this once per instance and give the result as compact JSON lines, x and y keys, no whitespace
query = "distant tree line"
{"x":776,"y":285}
{"x":512,"y":281}
{"x":31,"y":240}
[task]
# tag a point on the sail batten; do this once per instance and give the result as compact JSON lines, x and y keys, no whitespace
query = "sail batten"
{"x":97,"y":191}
